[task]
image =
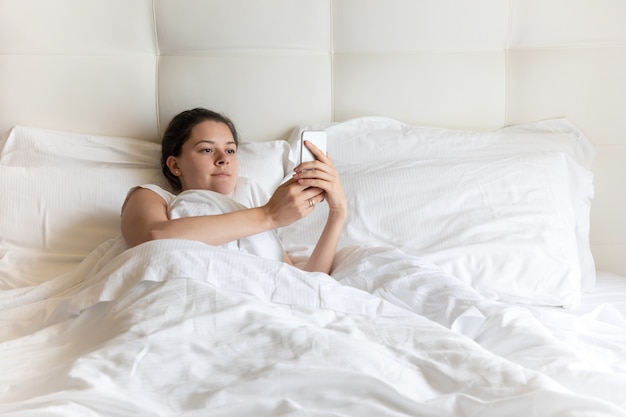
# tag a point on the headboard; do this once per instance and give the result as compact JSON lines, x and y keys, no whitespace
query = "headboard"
{"x":124,"y":68}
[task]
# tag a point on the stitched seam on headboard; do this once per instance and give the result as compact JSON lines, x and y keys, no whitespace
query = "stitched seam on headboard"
{"x":507,"y":45}
{"x":332,"y":62}
{"x":157,"y":62}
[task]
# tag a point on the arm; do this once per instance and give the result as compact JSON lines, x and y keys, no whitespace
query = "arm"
{"x":144,"y":217}
{"x":322,"y":174}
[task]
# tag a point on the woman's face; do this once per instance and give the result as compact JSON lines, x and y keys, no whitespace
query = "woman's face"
{"x":208,"y":160}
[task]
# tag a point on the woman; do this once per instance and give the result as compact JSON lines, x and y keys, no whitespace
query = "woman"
{"x":200,"y":153}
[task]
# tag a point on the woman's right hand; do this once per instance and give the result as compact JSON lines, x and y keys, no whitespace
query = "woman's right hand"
{"x":290,"y":202}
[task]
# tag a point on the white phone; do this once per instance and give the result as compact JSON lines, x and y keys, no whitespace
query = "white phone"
{"x":317,"y":138}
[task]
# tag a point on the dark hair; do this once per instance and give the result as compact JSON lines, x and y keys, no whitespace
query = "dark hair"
{"x":178,"y":132}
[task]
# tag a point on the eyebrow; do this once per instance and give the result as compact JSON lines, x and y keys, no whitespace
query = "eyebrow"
{"x":232,"y":142}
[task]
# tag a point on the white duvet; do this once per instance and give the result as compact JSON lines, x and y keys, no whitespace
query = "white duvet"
{"x":179,"y":328}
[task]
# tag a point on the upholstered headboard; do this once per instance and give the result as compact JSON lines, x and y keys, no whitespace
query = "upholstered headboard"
{"x":123,"y":68}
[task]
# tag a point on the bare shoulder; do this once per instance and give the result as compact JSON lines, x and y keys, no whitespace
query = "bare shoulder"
{"x":142,"y":210}
{"x":142,"y":201}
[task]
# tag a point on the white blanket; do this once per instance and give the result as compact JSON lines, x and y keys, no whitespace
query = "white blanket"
{"x":203,"y":202}
{"x":179,"y":328}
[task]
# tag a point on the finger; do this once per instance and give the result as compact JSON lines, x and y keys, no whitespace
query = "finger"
{"x":321,"y":162}
{"x":317,"y":152}
{"x":315,"y":169}
{"x":313,"y":201}
{"x":313,"y":192}
{"x":296,"y":185}
{"x":321,"y":180}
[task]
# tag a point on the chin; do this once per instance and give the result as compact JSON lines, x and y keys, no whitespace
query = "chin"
{"x":223,"y":189}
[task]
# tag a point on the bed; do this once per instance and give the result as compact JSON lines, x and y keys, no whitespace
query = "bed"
{"x":480,"y":272}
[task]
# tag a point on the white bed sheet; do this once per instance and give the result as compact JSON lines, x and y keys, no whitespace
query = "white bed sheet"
{"x":609,"y":289}
{"x":180,"y":328}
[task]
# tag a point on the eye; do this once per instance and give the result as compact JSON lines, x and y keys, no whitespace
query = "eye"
{"x":206,"y":150}
{"x":232,"y":151}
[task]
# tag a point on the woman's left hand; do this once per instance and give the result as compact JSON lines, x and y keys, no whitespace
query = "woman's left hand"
{"x":322,"y":174}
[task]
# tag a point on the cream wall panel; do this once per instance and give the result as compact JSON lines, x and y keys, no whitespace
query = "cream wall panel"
{"x":586,"y":85}
{"x":442,"y":89}
{"x":609,"y":258}
{"x":568,"y":23}
{"x":266,"y":95}
{"x":76,"y":27}
{"x":99,"y":95}
{"x":269,"y":24}
{"x":609,"y":205}
{"x":419,"y":25}
{"x":608,"y":222}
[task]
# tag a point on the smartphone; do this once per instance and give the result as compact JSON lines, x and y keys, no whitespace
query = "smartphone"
{"x":317,"y":138}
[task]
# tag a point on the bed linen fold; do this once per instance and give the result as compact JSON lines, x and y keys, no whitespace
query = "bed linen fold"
{"x":585,"y":352}
{"x":176,"y":327}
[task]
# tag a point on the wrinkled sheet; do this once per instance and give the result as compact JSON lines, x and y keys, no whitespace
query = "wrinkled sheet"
{"x":179,"y":328}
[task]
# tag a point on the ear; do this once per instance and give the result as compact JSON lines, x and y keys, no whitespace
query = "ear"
{"x":172,"y":164}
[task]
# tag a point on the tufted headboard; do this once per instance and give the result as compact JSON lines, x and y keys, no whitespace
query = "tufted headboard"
{"x":123,"y":68}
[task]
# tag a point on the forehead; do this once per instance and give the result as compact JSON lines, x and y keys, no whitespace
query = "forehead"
{"x":211,"y":131}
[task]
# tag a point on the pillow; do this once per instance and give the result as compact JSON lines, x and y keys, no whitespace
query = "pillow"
{"x":53,"y":217}
{"x":29,"y":147}
{"x":264,"y":162}
{"x":363,"y":137}
{"x":506,"y":212}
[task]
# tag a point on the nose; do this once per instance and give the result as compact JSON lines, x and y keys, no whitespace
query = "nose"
{"x":222,"y":159}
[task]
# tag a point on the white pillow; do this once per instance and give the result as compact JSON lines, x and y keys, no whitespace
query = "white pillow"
{"x":376,"y":139}
{"x":487,"y":207}
{"x":264,"y":162}
{"x":53,"y":217}
{"x":28,"y":147}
